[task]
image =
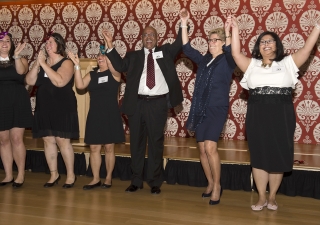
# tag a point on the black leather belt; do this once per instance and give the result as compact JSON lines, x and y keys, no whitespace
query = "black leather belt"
{"x":150,"y":97}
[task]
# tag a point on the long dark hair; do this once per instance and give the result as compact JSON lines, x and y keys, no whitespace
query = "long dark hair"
{"x":279,"y":47}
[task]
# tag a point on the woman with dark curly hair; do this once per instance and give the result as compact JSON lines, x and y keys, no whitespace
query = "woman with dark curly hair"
{"x":270,"y":75}
{"x":15,"y":110}
{"x":56,"y":116}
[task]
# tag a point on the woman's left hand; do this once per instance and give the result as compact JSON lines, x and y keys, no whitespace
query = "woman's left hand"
{"x":41,"y":57}
{"x":19,"y":49}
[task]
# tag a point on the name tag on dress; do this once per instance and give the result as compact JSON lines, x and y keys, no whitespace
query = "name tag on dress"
{"x":157,"y":55}
{"x":45,"y":75}
{"x":102,"y":79}
{"x":278,"y":69}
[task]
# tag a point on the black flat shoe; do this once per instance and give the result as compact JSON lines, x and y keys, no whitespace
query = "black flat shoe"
{"x":46,"y":185}
{"x":205,"y":195}
{"x":105,"y":186}
{"x":16,"y":185}
{"x":90,"y":186}
{"x":155,"y":190}
{"x":70,"y":185}
{"x":6,"y":182}
{"x":133,"y":188}
{"x":211,"y":202}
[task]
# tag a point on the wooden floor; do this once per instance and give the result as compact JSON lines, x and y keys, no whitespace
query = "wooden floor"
{"x":186,"y":149}
{"x":177,"y":204}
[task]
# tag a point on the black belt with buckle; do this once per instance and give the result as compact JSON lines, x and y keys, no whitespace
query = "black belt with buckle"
{"x":150,"y":97}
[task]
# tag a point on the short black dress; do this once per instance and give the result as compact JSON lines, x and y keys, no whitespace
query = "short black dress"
{"x":104,"y":123}
{"x":56,"y":108}
{"x":15,"y":106}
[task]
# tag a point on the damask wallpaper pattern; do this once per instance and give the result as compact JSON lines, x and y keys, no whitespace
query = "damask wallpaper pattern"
{"x":81,"y":22}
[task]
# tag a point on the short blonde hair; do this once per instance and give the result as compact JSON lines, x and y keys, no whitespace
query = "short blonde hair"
{"x":220,"y":32}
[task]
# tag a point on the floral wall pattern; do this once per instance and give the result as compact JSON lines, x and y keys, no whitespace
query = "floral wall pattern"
{"x":81,"y":22}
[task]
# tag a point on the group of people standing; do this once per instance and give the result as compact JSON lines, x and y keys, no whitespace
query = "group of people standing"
{"x":152,"y":86}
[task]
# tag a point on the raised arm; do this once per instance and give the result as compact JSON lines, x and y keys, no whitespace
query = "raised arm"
{"x":21,"y":64}
{"x":303,"y":53}
{"x":241,"y":60}
{"x":116,"y":74}
{"x":184,"y":16}
{"x":81,"y":83}
{"x":32,"y":75}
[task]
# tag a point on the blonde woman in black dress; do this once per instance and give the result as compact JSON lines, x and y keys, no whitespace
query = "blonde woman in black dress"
{"x":15,"y":109}
{"x":104,"y":125}
{"x":56,"y":116}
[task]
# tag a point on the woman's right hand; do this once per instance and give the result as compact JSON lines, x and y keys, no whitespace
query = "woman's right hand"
{"x":184,"y":16}
{"x":74,"y":58}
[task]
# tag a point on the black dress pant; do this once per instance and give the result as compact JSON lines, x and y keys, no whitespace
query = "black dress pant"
{"x":147,"y":128}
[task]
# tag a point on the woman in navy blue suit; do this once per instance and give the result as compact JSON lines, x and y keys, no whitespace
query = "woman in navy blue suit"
{"x":210,"y":102}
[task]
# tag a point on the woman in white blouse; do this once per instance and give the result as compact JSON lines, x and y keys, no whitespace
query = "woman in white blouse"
{"x":270,"y":75}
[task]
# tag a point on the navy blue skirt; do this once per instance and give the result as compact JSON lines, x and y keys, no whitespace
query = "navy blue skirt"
{"x":212,"y":125}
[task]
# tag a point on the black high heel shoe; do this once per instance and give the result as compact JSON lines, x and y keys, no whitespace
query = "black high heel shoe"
{"x":17,"y":185}
{"x":212,"y":202}
{"x":205,"y":195}
{"x":46,"y":185}
{"x":70,"y":185}
{"x":6,"y":182}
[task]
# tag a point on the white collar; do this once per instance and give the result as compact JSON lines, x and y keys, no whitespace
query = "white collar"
{"x":4,"y":59}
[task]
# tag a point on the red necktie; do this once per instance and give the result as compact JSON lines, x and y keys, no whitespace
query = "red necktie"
{"x":150,"y":71}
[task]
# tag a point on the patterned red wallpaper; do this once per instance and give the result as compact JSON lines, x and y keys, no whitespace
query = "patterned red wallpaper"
{"x":80,"y":22}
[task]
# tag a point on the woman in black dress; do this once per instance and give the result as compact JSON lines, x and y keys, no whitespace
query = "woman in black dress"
{"x":104,"y":125}
{"x":15,"y":109}
{"x":56,"y":116}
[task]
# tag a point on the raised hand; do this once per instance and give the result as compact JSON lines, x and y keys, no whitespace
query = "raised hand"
{"x":184,"y":16}
{"x":41,"y":57}
{"x":234,"y":22}
{"x":228,"y":24}
{"x":74,"y":58}
{"x":19,"y":49}
{"x":107,"y":38}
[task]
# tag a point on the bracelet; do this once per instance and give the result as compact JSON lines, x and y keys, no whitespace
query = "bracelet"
{"x":317,"y":26}
{"x":16,"y":57}
{"x":184,"y":26}
{"x":229,"y":36}
{"x":76,"y":67}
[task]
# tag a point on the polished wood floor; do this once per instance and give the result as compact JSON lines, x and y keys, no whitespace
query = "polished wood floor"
{"x":176,"y":204}
{"x":235,"y":152}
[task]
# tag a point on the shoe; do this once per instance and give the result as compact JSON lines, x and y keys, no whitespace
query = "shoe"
{"x":155,"y":190}
{"x":133,"y":188}
{"x":259,"y":207}
{"x":17,"y":185}
{"x":90,"y":186}
{"x":205,"y":195}
{"x":6,"y":182}
{"x":212,"y":202}
{"x":70,"y":185}
{"x":46,"y":185}
{"x":105,"y":186}
{"x":273,"y":207}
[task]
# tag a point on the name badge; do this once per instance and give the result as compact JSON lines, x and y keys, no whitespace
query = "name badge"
{"x":157,"y":55}
{"x":45,"y":75}
{"x":102,"y":79}
{"x":278,"y":69}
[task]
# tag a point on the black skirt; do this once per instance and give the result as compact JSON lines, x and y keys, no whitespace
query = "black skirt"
{"x":270,"y":126}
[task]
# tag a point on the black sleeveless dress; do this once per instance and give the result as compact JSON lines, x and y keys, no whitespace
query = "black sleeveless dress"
{"x":15,"y":106}
{"x":56,"y":108}
{"x":104,"y":123}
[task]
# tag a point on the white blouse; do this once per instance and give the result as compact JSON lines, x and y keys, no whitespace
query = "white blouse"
{"x":280,"y":74}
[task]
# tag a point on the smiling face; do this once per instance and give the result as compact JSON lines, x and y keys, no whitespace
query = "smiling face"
{"x":149,"y":38}
{"x":102,"y":61}
{"x":215,"y":44}
{"x":267,"y":46}
{"x":51,"y":46}
{"x":5,"y":46}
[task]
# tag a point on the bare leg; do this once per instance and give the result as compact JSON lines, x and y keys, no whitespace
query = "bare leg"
{"x":110,"y":161}
{"x":261,"y":178}
{"x":6,"y":154}
{"x":95,"y":163}
{"x":19,"y":152}
{"x":274,"y":183}
{"x":67,"y":153}
{"x":206,"y":167}
{"x":51,"y":153}
{"x":214,"y":161}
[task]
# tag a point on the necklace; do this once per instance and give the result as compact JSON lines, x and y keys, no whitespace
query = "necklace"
{"x":264,"y":65}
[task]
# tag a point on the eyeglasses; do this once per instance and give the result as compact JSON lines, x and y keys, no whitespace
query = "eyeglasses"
{"x":148,"y":35}
{"x":264,"y":42}
{"x":214,"y":40}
